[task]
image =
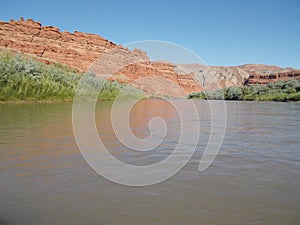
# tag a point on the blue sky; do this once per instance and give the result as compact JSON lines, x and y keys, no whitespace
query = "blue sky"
{"x":220,"y":32}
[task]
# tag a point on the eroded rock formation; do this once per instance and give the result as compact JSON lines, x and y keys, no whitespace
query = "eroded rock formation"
{"x":263,"y":74}
{"x":76,"y":50}
{"x":267,"y":78}
{"x":80,"y":50}
{"x":85,"y":52}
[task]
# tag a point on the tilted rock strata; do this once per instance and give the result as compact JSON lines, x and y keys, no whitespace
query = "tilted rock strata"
{"x":214,"y":77}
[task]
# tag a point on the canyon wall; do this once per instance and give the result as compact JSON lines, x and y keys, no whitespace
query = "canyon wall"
{"x":48,"y":44}
{"x":80,"y":50}
{"x":84,"y":52}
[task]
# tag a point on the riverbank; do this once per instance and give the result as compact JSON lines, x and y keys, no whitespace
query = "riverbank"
{"x":278,"y":91}
{"x":35,"y":102}
{"x":24,"y":79}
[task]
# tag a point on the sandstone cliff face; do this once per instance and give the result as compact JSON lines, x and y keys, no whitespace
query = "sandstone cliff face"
{"x":263,"y":74}
{"x":168,"y":79}
{"x":85,"y":52}
{"x":47,"y":43}
{"x":264,"y":69}
{"x":267,"y":78}
{"x":80,"y":50}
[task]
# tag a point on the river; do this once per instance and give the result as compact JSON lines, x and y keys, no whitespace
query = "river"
{"x":255,"y":178}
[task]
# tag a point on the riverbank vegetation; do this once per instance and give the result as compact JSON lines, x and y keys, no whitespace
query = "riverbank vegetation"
{"x":26,"y":79}
{"x":277,"y":91}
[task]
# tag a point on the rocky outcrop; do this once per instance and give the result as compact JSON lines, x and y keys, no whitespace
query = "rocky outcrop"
{"x":214,"y":77}
{"x":80,"y":50}
{"x":264,"y":69}
{"x":84,"y":52}
{"x":162,"y":72}
{"x":263,"y":74}
{"x":267,"y":78}
{"x":76,"y":50}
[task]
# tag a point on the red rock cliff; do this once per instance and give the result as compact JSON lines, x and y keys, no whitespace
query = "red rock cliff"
{"x":79,"y":50}
{"x":263,"y":74}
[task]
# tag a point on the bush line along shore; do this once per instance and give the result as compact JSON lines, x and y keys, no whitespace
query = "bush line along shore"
{"x":24,"y":79}
{"x":277,"y":91}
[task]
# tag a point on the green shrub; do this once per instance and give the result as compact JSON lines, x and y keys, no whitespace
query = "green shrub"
{"x":197,"y":95}
{"x":233,"y":93}
{"x":279,"y":91}
{"x":27,"y":79}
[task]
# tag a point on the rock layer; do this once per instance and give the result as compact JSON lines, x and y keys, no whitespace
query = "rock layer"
{"x":267,"y":78}
{"x":76,"y":50}
{"x":80,"y":50}
{"x":214,"y":77}
{"x":85,"y":52}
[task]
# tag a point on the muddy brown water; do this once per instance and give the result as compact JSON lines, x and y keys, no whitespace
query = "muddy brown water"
{"x":255,"y":179}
